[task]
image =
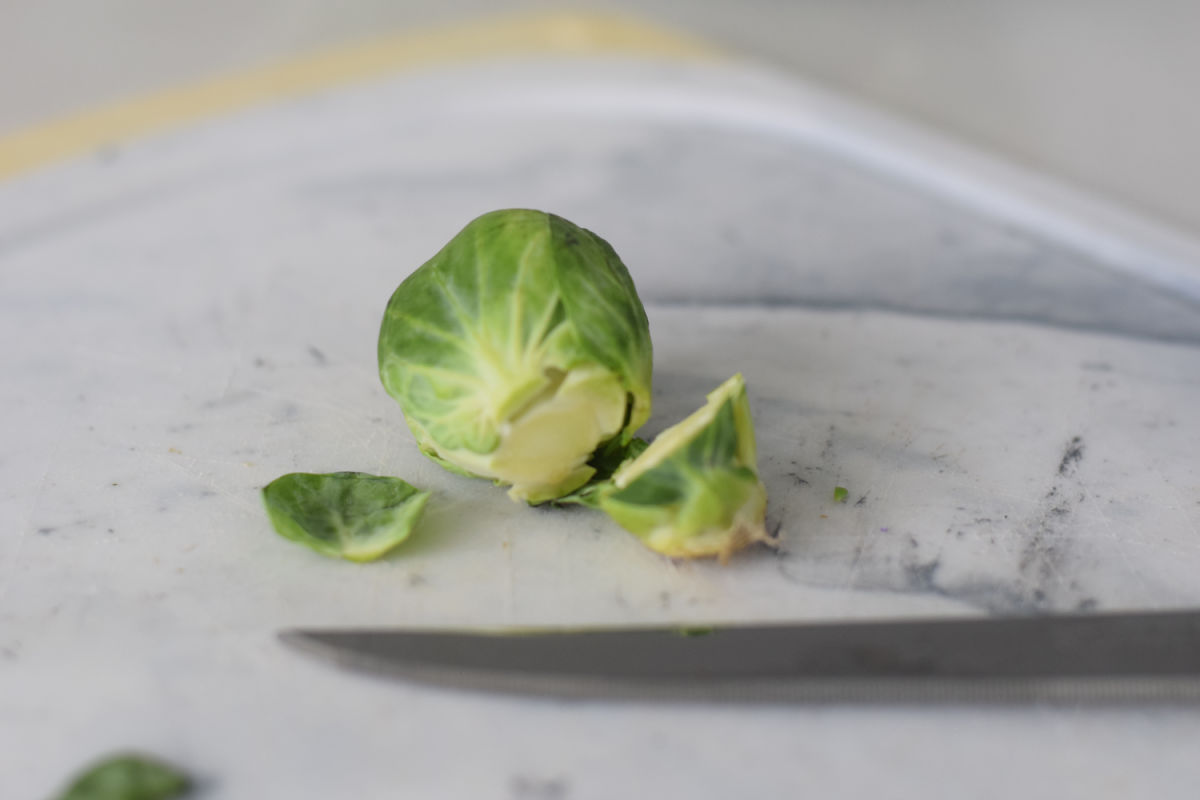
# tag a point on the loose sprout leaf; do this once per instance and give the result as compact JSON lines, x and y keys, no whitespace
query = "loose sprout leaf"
{"x":518,"y":350}
{"x":128,"y":777}
{"x":693,"y":632}
{"x":695,"y":490}
{"x":840,"y":494}
{"x":349,"y":515}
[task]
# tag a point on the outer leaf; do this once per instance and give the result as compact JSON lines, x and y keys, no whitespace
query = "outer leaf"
{"x":601,"y":301}
{"x":517,"y":350}
{"x":128,"y":777}
{"x":348,"y":515}
{"x":695,"y":490}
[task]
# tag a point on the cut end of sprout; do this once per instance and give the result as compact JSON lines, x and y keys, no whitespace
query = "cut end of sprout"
{"x":545,"y":444}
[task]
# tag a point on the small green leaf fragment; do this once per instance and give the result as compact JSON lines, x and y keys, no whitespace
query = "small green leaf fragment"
{"x":840,"y":493}
{"x":128,"y":777}
{"x":692,"y":632}
{"x":350,"y":515}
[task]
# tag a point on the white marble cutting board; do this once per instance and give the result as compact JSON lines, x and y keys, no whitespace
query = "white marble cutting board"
{"x":189,"y":316}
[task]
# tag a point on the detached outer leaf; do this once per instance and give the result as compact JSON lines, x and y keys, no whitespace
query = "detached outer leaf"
{"x":695,"y":490}
{"x":349,"y":515}
{"x":128,"y":777}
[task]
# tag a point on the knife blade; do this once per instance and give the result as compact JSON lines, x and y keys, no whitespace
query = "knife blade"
{"x":1114,"y":657}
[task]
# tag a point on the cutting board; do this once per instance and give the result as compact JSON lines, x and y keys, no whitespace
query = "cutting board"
{"x":1006,"y":389}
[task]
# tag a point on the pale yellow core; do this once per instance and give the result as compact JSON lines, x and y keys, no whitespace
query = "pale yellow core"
{"x":545,"y":446}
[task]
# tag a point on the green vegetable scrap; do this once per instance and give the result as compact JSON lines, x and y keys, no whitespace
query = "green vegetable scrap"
{"x":348,"y":515}
{"x":695,"y":490}
{"x":128,"y":777}
{"x":693,"y":632}
{"x":840,"y":494}
{"x":518,"y":352}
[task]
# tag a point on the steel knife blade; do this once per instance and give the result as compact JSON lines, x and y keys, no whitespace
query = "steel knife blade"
{"x":1148,"y":656}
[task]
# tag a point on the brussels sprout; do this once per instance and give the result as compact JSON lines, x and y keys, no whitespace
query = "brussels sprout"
{"x":695,"y":490}
{"x":518,"y":351}
{"x":348,"y":515}
{"x":128,"y":777}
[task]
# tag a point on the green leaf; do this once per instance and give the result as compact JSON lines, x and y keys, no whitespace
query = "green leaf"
{"x":693,"y":632}
{"x":349,"y":515}
{"x":600,"y":299}
{"x":695,"y":490}
{"x":518,"y":350}
{"x":607,"y":460}
{"x":128,"y":777}
{"x":840,"y":494}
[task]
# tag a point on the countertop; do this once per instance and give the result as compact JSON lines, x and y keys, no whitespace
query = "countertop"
{"x":1009,"y":400}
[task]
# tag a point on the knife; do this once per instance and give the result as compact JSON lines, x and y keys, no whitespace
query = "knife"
{"x":1114,"y":657}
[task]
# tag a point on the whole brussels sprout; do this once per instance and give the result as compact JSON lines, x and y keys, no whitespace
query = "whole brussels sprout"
{"x":517,"y":351}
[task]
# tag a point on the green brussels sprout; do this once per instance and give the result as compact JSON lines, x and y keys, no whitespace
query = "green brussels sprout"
{"x":348,"y":515}
{"x":518,"y":351}
{"x":695,"y":490}
{"x":128,"y":777}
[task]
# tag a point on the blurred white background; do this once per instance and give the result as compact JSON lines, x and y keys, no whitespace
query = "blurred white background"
{"x":1101,"y":93}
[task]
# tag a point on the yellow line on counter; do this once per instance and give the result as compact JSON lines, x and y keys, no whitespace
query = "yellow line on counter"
{"x":560,"y":34}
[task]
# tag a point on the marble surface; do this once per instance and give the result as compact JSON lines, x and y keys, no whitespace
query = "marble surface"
{"x":190,"y":315}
